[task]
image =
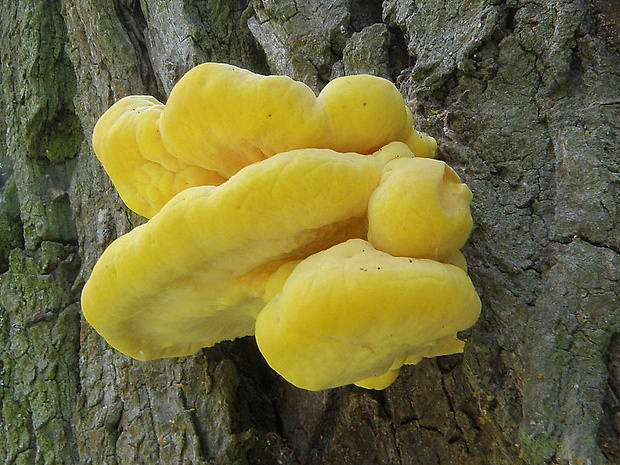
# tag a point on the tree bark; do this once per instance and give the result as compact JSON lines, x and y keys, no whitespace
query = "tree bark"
{"x":524,"y":99}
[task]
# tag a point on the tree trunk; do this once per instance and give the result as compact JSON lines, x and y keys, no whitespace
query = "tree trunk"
{"x":524,"y":98}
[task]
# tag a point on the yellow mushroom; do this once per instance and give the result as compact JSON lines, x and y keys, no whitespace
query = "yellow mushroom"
{"x":220,"y":118}
{"x":320,"y":224}
{"x":353,"y":314}
{"x":196,"y":273}
{"x":420,"y":209}
{"x":128,"y":143}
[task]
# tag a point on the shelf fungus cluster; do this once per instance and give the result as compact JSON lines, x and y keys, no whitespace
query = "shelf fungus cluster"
{"x":321,"y":225}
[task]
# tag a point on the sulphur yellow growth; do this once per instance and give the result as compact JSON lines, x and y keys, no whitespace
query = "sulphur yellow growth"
{"x":351,"y":313}
{"x":220,"y":118}
{"x":420,"y":209}
{"x":195,"y":273}
{"x":128,"y":142}
{"x":318,"y":223}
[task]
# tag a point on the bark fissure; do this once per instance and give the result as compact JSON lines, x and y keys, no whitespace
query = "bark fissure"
{"x":133,"y":21}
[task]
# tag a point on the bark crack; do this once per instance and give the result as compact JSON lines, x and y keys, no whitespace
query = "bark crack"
{"x":133,"y":21}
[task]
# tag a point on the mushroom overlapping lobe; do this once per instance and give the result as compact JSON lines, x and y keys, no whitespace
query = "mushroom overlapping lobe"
{"x":128,"y":142}
{"x":312,"y":221}
{"x":195,"y":273}
{"x":355,"y":313}
{"x":350,"y":312}
{"x":420,"y":209}
{"x":220,"y":118}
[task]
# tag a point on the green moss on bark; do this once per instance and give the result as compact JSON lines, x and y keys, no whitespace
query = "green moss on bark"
{"x":39,"y":355}
{"x":367,"y":52}
{"x":52,"y":130}
{"x":10,"y":224}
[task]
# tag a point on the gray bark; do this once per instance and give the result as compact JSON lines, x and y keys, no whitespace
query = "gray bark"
{"x":524,"y":98}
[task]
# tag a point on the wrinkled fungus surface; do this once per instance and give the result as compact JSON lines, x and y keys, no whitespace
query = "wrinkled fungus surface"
{"x":321,"y":225}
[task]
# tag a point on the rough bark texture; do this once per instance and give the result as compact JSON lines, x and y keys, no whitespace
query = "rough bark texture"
{"x":524,"y":97}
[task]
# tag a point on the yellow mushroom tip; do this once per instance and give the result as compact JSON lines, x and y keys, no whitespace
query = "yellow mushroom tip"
{"x":384,"y":380}
{"x":421,"y":144}
{"x":379,"y":382}
{"x":420,"y":209}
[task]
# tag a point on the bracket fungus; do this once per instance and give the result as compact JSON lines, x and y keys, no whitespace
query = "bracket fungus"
{"x":321,"y":225}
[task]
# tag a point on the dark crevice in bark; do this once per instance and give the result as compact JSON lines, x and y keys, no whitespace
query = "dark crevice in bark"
{"x":608,"y":437}
{"x":133,"y":21}
{"x":510,"y":20}
{"x":399,"y":60}
{"x":364,"y":13}
{"x":326,"y":421}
